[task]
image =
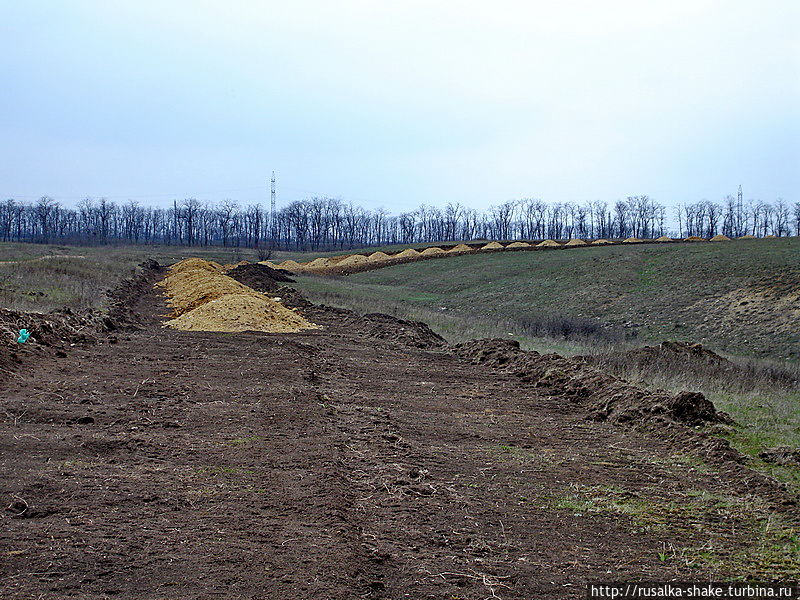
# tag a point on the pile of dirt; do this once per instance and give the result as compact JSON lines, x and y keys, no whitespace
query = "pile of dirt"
{"x":720,"y":238}
{"x":206,"y":300}
{"x":318,"y":263}
{"x":518,"y":245}
{"x":631,"y":240}
{"x":186,"y":290}
{"x":664,"y":238}
{"x":378,"y":256}
{"x":548,"y":244}
{"x":492,"y":246}
{"x":191,"y":264}
{"x":259,"y":277}
{"x":353,"y":259}
{"x":575,"y":243}
{"x":241,"y":263}
{"x":407,"y":253}
{"x":600,"y":242}
{"x":291,"y":265}
{"x":432,"y":251}
{"x":56,"y":328}
{"x":241,"y":312}
{"x":748,"y":237}
{"x":605,"y":396}
{"x":695,"y":238}
{"x":460,"y":248}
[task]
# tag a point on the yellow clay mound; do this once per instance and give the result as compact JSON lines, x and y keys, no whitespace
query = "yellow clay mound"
{"x":241,"y":312}
{"x":460,"y":248}
{"x":575,"y":243}
{"x":407,"y":253}
{"x":548,"y":244}
{"x":337,"y":259}
{"x":631,"y":240}
{"x":748,"y":237}
{"x":204,"y":299}
{"x":720,"y":238}
{"x":318,"y":262}
{"x":600,"y":242}
{"x":353,"y":259}
{"x":492,"y":246}
{"x":770,"y":237}
{"x":695,"y":238}
{"x":518,"y":245}
{"x":664,"y":238}
{"x":431,"y":251}
{"x":269,"y":263}
{"x":187,"y":290}
{"x":190,"y":264}
{"x":378,"y":256}
{"x":291,"y":265}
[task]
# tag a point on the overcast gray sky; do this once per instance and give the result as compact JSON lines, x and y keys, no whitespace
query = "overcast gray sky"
{"x":398,"y":103}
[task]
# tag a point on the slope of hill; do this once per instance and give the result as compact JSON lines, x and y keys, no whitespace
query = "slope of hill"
{"x":740,"y":297}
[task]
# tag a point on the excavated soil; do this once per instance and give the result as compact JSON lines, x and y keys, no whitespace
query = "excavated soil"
{"x":367,"y":459}
{"x":261,"y":278}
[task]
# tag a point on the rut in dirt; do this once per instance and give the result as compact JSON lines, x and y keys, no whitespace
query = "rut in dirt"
{"x":363,"y":460}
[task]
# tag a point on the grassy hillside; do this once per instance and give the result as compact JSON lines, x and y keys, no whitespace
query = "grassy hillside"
{"x":740,"y":297}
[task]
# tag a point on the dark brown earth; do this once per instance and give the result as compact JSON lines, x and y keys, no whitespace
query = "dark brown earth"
{"x":364,"y":460}
{"x":262,"y":278}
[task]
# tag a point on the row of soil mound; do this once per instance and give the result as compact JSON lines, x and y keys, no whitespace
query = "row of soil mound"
{"x":606,"y":397}
{"x":353,"y":263}
{"x":204,"y":298}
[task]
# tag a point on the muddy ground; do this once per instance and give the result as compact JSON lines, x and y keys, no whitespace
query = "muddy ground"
{"x":364,"y":460}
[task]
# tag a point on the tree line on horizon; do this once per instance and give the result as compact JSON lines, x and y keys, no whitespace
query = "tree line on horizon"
{"x":323,"y":223}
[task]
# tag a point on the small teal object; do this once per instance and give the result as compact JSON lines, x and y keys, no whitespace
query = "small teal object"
{"x":24,"y":334}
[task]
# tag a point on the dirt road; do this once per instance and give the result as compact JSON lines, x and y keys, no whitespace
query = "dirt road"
{"x":345,"y":463}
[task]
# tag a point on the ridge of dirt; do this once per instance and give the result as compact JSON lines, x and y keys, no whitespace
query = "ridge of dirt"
{"x":56,"y":331}
{"x":606,"y":397}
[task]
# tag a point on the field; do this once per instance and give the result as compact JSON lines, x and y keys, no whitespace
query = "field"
{"x":372,"y":458}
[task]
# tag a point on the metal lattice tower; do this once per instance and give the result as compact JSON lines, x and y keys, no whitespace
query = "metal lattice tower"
{"x":272,"y":206}
{"x":739,"y":203}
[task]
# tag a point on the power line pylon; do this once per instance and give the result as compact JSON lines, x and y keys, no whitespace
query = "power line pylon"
{"x":273,"y":228}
